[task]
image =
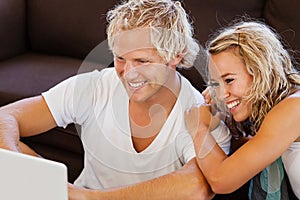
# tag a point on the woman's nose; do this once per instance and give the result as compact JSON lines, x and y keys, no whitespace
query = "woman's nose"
{"x":223,"y":92}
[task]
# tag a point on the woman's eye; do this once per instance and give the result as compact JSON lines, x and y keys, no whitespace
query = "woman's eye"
{"x":229,"y":80}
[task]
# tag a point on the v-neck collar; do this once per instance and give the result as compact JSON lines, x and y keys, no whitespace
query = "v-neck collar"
{"x":120,"y":113}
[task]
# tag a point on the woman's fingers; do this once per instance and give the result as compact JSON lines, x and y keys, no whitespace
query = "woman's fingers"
{"x":198,"y":115}
{"x":207,"y":96}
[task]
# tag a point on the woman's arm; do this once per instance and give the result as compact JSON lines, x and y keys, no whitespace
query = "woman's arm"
{"x":226,"y":174}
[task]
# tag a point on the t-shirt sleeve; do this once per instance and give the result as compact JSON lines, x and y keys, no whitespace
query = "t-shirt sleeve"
{"x":70,"y":100}
{"x":185,"y":144}
{"x":222,"y":136}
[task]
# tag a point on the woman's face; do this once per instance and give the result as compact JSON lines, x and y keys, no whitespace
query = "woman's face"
{"x":231,"y":83}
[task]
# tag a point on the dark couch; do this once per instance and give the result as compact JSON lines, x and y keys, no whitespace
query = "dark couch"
{"x":44,"y":42}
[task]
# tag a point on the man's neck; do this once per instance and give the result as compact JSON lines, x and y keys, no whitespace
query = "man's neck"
{"x":165,"y":98}
{"x":147,"y":118}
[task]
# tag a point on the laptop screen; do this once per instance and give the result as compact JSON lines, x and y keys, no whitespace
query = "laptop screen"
{"x":31,"y":178}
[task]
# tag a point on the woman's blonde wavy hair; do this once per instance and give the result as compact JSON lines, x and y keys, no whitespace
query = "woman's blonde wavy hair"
{"x":171,"y":30}
{"x":266,"y":60}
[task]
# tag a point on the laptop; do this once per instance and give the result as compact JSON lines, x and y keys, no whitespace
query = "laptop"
{"x":24,"y":177}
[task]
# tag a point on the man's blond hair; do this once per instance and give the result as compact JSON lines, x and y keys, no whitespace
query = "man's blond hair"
{"x":171,"y":31}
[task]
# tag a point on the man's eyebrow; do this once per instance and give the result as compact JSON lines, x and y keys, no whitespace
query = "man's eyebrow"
{"x":117,"y":56}
{"x":142,"y":59}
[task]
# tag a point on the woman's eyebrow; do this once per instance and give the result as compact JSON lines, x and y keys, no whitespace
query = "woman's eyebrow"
{"x":227,"y":74}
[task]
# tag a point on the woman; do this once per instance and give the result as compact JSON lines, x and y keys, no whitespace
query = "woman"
{"x":252,"y":76}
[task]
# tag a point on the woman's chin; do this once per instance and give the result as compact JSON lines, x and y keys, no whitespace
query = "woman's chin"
{"x":238,"y":118}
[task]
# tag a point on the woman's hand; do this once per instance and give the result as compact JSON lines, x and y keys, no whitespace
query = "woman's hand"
{"x":199,"y":116}
{"x":205,"y":115}
{"x":207,"y":96}
{"x":209,"y":100}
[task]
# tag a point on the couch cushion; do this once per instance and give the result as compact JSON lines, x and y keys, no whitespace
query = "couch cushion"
{"x":30,"y":74}
{"x":284,"y":16}
{"x":68,"y":27}
{"x":62,"y":145}
{"x":213,"y":14}
{"x":12,"y":32}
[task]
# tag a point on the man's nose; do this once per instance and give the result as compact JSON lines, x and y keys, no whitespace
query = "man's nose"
{"x":130,"y":71}
{"x":128,"y":67}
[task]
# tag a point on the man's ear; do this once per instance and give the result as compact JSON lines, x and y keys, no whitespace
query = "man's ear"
{"x":175,"y":61}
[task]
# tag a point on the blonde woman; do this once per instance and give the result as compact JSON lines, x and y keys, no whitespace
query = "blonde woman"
{"x":253,"y":82}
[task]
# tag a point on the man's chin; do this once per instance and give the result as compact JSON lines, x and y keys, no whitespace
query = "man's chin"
{"x":137,"y":98}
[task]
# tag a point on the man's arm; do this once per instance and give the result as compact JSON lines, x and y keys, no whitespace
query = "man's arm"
{"x":23,"y":118}
{"x":186,"y":183}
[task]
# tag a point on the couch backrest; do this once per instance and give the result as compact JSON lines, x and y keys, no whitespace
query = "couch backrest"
{"x":284,"y":16}
{"x":13,"y":28}
{"x":67,"y":27}
{"x":210,"y":15}
{"x":75,"y":27}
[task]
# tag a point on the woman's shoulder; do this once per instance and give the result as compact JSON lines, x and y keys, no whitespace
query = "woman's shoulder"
{"x":288,"y":110}
{"x":283,"y":119}
{"x":295,"y":94}
{"x":291,"y":100}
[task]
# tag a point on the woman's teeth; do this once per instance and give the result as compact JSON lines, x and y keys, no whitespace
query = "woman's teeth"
{"x":233,"y":104}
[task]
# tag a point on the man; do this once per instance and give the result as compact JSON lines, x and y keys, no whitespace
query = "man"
{"x":131,"y":116}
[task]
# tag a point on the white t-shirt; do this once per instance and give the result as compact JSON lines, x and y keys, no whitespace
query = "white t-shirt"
{"x":291,"y":162}
{"x":98,"y":102}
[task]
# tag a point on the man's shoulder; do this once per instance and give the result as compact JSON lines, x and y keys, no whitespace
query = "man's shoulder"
{"x":103,"y":75}
{"x":189,"y":91}
{"x":96,"y":73}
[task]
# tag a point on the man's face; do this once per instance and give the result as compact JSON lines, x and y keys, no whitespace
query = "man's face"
{"x":142,"y":73}
{"x":141,"y":69}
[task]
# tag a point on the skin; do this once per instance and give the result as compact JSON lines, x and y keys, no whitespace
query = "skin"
{"x":232,"y":81}
{"x":145,"y":68}
{"x":226,"y":174}
{"x":160,"y":86}
{"x":153,"y":88}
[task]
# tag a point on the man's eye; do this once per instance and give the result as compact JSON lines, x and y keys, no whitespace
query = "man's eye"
{"x":143,"y":61}
{"x":120,"y":59}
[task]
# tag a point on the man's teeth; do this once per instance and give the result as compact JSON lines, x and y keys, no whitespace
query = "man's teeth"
{"x":136,"y":85}
{"x":232,"y":104}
